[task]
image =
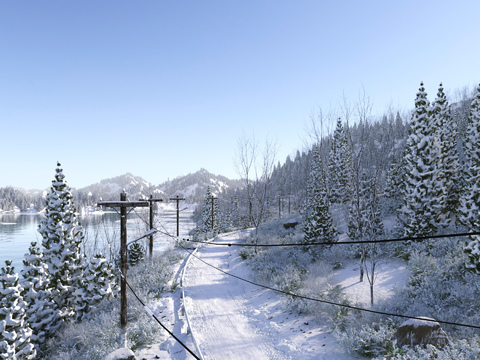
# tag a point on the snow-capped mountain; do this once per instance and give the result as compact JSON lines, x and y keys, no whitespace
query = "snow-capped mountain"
{"x":110,"y":189}
{"x":191,"y":186}
{"x":194,"y":186}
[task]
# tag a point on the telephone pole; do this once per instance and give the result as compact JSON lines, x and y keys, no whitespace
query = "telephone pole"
{"x":177,"y":199}
{"x":151,"y":201}
{"x":123,"y":204}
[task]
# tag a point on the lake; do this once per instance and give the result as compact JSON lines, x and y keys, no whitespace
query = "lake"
{"x":102,"y":231}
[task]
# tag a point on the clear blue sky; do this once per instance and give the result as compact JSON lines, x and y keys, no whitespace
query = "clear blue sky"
{"x":161,"y":88}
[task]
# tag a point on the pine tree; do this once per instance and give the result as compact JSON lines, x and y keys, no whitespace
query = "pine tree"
{"x":100,"y":283}
{"x":62,"y":236}
{"x":210,"y":218}
{"x":217,"y":215}
{"x":445,"y":189}
{"x":420,"y":160}
{"x":394,"y":183}
{"x":136,"y":253}
{"x":318,"y":224}
{"x":40,"y":313}
{"x":339,"y":167}
{"x":470,"y":196}
{"x":312,"y":182}
{"x":14,"y":331}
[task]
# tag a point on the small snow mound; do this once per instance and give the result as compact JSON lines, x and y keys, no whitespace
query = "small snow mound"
{"x":425,"y":321}
{"x":121,"y":354}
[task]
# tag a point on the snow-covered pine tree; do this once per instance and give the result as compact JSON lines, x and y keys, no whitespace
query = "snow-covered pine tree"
{"x":394,"y":183}
{"x":62,"y":237}
{"x":217,"y":215}
{"x":420,"y":158}
{"x":318,"y":224}
{"x":470,"y":196}
{"x":136,"y":253}
{"x":445,"y":188}
{"x":100,"y":283}
{"x":312,"y":182}
{"x":40,"y":312}
{"x":209,"y":217}
{"x":339,"y":167}
{"x":14,"y":331}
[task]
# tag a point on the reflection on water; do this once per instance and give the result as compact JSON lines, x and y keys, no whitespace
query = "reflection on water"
{"x":102,"y":233}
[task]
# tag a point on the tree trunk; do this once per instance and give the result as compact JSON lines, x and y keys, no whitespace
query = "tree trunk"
{"x":371,"y":294}
{"x":362,"y":265}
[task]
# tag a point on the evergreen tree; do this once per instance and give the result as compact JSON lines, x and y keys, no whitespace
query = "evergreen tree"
{"x":217,"y":215}
{"x":14,"y":331}
{"x":394,"y":183}
{"x":136,"y":253}
{"x":100,"y":283}
{"x":210,"y":217}
{"x":318,"y":224}
{"x":339,"y":167}
{"x":40,"y":311}
{"x":62,"y":236}
{"x":313,"y":179}
{"x":445,"y":189}
{"x":420,"y":161}
{"x":470,"y":196}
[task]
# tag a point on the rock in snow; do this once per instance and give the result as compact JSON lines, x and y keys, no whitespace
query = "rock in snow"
{"x":421,"y":332}
{"x":121,"y":354}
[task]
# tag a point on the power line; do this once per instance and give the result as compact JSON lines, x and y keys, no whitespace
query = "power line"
{"x":350,"y":242}
{"x":326,"y":301}
{"x":150,"y":312}
{"x":323,"y":301}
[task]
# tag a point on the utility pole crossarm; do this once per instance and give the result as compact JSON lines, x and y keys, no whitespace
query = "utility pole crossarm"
{"x":120,"y":204}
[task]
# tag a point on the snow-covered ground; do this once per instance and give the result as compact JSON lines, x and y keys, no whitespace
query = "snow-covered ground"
{"x":232,"y":319}
{"x":388,"y":275}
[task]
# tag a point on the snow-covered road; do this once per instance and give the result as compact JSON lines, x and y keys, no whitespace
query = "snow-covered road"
{"x":231,"y":319}
{"x":217,"y":307}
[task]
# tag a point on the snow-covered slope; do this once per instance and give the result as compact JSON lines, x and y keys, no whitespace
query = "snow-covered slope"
{"x":231,"y":319}
{"x":193,"y":186}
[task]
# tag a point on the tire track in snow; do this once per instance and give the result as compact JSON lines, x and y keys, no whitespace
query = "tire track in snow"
{"x":217,"y":309}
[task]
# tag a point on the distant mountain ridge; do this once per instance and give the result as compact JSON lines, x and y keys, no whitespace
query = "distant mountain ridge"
{"x":191,"y":186}
{"x":194,"y":186}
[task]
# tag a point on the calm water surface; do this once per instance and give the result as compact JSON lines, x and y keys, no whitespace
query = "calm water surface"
{"x":17,"y":231}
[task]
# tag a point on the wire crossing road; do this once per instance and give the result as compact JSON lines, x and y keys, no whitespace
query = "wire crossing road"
{"x":218,"y":307}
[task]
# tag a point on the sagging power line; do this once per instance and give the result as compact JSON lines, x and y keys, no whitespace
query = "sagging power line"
{"x":150,"y":312}
{"x":324,"y":301}
{"x":350,"y":242}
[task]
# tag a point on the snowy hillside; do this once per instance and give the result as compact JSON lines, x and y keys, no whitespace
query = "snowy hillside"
{"x":193,"y":186}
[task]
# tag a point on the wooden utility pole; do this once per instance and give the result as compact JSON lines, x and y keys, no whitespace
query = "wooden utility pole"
{"x":177,"y":199}
{"x":151,"y":201}
{"x":123,"y":204}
